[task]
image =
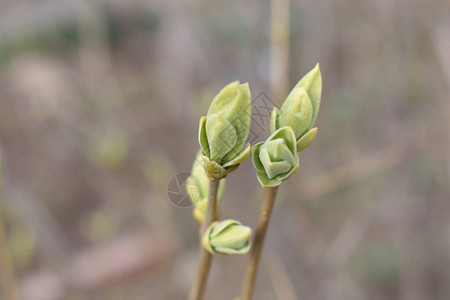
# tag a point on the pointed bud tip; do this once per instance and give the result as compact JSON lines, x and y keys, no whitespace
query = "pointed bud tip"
{"x":246,"y":231}
{"x":317,"y":68}
{"x":235,"y":85}
{"x":302,"y":91}
{"x":245,"y":88}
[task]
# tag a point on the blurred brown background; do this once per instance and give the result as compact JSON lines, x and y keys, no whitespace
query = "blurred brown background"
{"x":99,"y":109}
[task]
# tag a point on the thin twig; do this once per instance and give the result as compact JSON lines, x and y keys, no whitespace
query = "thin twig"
{"x":279,"y":48}
{"x":342,"y":176}
{"x":205,"y":260}
{"x":278,"y":274}
{"x":258,"y":241}
{"x":8,"y":281}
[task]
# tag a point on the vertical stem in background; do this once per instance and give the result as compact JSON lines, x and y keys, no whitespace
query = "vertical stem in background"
{"x":205,"y":258}
{"x":279,"y":47}
{"x":8,"y":284}
{"x":258,"y":241}
{"x":279,"y":86}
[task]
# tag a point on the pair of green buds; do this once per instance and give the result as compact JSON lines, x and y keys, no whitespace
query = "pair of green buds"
{"x":291,"y":130}
{"x":222,"y":137}
{"x":225,"y":237}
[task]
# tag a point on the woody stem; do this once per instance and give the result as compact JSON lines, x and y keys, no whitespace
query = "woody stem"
{"x":258,"y":241}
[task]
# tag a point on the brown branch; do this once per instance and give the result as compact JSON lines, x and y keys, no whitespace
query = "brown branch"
{"x":249,"y":282}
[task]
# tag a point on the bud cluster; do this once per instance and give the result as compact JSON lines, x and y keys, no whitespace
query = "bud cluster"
{"x":276,"y":159}
{"x":197,"y":188}
{"x":227,"y":237}
{"x":224,"y":130}
{"x":222,"y":137}
{"x":300,"y":109}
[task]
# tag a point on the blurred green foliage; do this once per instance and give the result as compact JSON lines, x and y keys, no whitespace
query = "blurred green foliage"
{"x":376,"y":265}
{"x":98,"y":226}
{"x":64,"y":35}
{"x":157,"y":169}
{"x":22,"y":246}
{"x":110,"y":151}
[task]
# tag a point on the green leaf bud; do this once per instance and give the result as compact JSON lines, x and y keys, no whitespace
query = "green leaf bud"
{"x":223,"y":132}
{"x":296,"y":112}
{"x":306,"y":139}
{"x":227,"y":237}
{"x":197,"y":188}
{"x":300,"y":109}
{"x":276,"y":159}
{"x":312,"y":82}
